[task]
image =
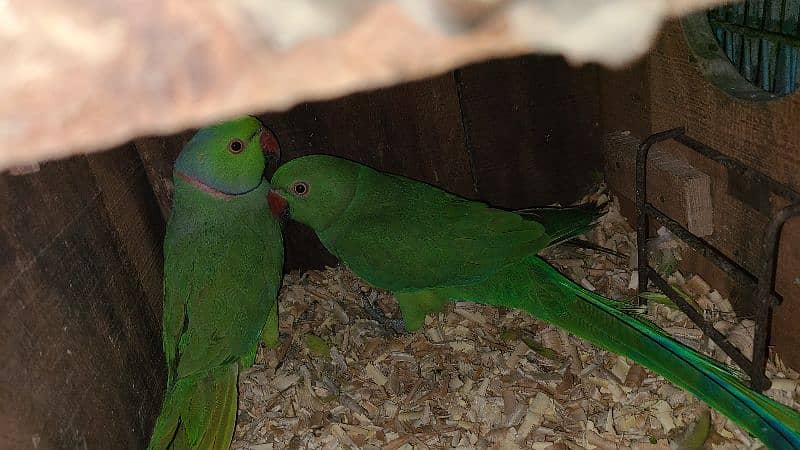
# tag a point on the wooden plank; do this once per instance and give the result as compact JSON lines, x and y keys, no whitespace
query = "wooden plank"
{"x":762,"y":135}
{"x":685,"y":189}
{"x":673,"y":185}
{"x":130,"y":205}
{"x":734,"y":218}
{"x":79,"y":334}
{"x":625,"y":100}
{"x":158,"y":154}
{"x":532,"y":127}
{"x":784,"y":322}
{"x":412,"y":129}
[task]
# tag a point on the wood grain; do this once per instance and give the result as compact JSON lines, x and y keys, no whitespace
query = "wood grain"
{"x":532,"y":129}
{"x":80,"y":276}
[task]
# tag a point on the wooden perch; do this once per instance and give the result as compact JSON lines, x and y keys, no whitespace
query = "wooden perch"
{"x":673,"y":185}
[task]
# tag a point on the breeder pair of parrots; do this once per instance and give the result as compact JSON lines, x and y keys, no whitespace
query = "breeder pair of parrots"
{"x":223,"y":262}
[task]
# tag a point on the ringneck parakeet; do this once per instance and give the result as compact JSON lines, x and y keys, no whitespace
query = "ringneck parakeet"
{"x":223,"y":259}
{"x":429,"y":247}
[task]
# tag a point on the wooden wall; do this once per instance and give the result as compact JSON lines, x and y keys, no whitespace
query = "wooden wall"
{"x":668,"y":90}
{"x":80,"y":305}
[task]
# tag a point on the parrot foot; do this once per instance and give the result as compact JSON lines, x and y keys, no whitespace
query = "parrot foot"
{"x":396,"y":326}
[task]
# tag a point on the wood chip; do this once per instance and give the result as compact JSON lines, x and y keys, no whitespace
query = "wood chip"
{"x":376,"y":375}
{"x":697,"y":286}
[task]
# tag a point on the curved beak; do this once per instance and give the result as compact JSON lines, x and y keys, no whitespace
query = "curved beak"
{"x":269,"y":145}
{"x":278,"y":205}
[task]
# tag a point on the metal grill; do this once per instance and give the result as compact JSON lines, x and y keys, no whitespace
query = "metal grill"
{"x":762,"y":39}
{"x":762,"y":281}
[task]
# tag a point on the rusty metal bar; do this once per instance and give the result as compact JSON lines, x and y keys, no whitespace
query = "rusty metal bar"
{"x":641,"y":199}
{"x":736,"y":355}
{"x":730,"y":267}
{"x":764,"y":298}
{"x":766,"y":282}
{"x":774,"y":186}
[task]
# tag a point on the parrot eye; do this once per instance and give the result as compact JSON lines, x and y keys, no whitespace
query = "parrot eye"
{"x":236,"y":146}
{"x":300,"y":188}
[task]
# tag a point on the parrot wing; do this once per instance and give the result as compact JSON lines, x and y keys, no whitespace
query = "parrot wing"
{"x":178,"y":257}
{"x":213,"y":315}
{"x":404,"y":235}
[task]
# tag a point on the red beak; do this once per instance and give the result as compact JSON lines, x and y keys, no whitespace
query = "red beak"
{"x":277,"y":204}
{"x":269,"y":144}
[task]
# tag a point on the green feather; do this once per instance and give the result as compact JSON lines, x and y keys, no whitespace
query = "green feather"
{"x":428,"y":247}
{"x":270,"y":335}
{"x":397,"y":216}
{"x":563,"y":224}
{"x":223,"y":259}
{"x":696,"y":434}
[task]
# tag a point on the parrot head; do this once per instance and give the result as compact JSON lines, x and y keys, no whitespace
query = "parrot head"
{"x":314,"y":189}
{"x":228,"y":158}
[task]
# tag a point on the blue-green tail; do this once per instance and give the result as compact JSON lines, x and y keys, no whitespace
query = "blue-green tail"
{"x":776,"y":425}
{"x":535,"y":286}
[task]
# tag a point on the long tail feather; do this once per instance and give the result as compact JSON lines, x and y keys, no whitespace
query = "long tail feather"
{"x":537,"y":287}
{"x":199,"y":412}
{"x":563,"y":224}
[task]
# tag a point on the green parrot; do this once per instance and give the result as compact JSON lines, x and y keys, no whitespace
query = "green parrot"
{"x":430,"y":247}
{"x":223,"y":260}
